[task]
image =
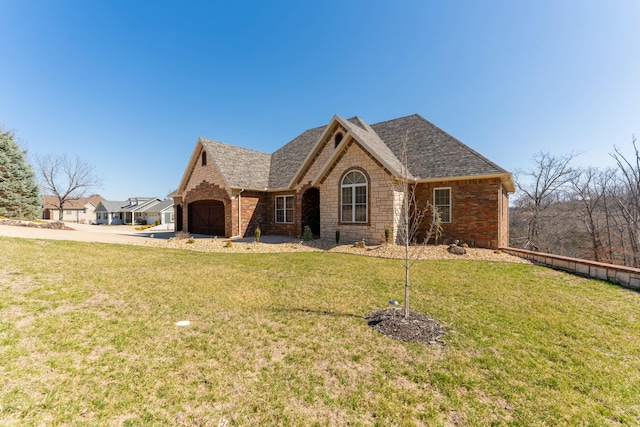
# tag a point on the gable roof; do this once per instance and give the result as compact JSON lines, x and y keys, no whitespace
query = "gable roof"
{"x":241,"y":167}
{"x":110,"y":205}
{"x":432,"y":154}
{"x":51,"y":202}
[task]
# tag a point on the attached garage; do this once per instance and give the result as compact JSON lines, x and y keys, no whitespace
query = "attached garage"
{"x":207,"y":217}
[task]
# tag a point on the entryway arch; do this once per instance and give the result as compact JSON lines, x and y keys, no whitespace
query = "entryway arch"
{"x":311,"y":211}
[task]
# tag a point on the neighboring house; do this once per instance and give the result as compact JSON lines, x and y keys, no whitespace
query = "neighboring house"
{"x":135,"y":210}
{"x":162,"y":212}
{"x":340,"y":177}
{"x":109,"y":212}
{"x":80,"y":210}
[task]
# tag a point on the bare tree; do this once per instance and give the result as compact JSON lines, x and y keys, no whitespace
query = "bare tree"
{"x":589,"y":188}
{"x":545,"y":181}
{"x":628,"y":197}
{"x":409,"y":214}
{"x":67,"y":180}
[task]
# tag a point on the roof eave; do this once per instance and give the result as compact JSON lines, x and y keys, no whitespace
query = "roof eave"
{"x":505,"y":178}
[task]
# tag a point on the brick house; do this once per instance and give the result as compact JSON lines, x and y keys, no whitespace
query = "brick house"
{"x":340,"y":177}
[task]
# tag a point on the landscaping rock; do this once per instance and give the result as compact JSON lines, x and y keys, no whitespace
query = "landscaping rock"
{"x":455,"y":249}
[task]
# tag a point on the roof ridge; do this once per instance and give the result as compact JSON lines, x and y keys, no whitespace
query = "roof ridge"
{"x":232,"y":145}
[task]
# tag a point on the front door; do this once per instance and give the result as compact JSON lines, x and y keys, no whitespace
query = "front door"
{"x":311,"y":211}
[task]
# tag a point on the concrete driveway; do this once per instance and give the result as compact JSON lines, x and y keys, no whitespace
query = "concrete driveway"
{"x":114,"y":234}
{"x":87,"y":233}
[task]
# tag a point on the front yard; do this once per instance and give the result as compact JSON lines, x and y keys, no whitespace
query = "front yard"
{"x":88,"y":336}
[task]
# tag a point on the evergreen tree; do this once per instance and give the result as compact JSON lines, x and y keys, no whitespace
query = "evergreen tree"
{"x":19,"y":193}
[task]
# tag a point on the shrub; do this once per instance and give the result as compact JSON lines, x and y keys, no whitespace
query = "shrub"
{"x":337,"y":237}
{"x":181,"y":235}
{"x":387,"y":233}
{"x":229,"y":244}
{"x":191,"y":240}
{"x":307,"y":235}
{"x":158,"y":222}
{"x":256,"y":234}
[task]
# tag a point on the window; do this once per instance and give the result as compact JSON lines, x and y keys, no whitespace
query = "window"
{"x":338,"y":139}
{"x":442,"y":202}
{"x":284,"y":209}
{"x":204,"y":158}
{"x":353,"y":190}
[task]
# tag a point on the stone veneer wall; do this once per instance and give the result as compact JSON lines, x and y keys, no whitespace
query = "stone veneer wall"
{"x":381,"y":199}
{"x":504,"y":218}
{"x":625,"y":276}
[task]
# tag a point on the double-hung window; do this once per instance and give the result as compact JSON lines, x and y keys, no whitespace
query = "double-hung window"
{"x":354,"y":203}
{"x":284,"y":209}
{"x":442,"y":203}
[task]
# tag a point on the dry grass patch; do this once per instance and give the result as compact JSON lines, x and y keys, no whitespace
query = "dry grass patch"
{"x":281,"y":339}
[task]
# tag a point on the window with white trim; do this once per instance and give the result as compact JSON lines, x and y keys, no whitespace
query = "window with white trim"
{"x":284,"y":209}
{"x":354,"y":198}
{"x":442,"y":203}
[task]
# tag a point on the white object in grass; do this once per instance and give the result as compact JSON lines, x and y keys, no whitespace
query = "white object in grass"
{"x":183,"y":323}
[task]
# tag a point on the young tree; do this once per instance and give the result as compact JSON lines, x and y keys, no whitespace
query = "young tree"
{"x":409,"y":214}
{"x":66,"y":179}
{"x":19,"y":193}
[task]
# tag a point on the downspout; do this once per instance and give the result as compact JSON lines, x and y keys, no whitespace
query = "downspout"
{"x":240,"y":213}
{"x":501,"y":217}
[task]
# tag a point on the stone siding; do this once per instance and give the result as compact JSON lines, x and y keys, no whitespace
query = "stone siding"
{"x":624,"y":276}
{"x":381,"y":199}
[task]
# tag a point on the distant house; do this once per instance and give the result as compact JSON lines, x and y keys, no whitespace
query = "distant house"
{"x":135,"y":210}
{"x":80,"y":210}
{"x":162,"y":212}
{"x":339,"y":177}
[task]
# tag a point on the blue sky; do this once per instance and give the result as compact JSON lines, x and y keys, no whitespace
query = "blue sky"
{"x":129,"y":86}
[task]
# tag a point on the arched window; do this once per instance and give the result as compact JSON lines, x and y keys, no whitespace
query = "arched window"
{"x":338,"y":138}
{"x":354,"y":198}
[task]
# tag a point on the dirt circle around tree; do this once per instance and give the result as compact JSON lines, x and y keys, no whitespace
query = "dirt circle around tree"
{"x":416,"y":327}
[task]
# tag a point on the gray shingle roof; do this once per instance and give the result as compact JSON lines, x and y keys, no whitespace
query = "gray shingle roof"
{"x":159,"y":207}
{"x":287,"y":160}
{"x":111,"y":205}
{"x":241,"y":167}
{"x":431,"y":152}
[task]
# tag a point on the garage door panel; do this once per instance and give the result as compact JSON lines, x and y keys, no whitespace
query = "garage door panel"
{"x":207,"y":217}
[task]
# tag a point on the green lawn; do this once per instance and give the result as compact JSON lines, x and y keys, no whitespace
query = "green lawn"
{"x":87,"y":336}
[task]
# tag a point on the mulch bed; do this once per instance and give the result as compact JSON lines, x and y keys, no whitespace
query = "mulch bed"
{"x":417,"y":327}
